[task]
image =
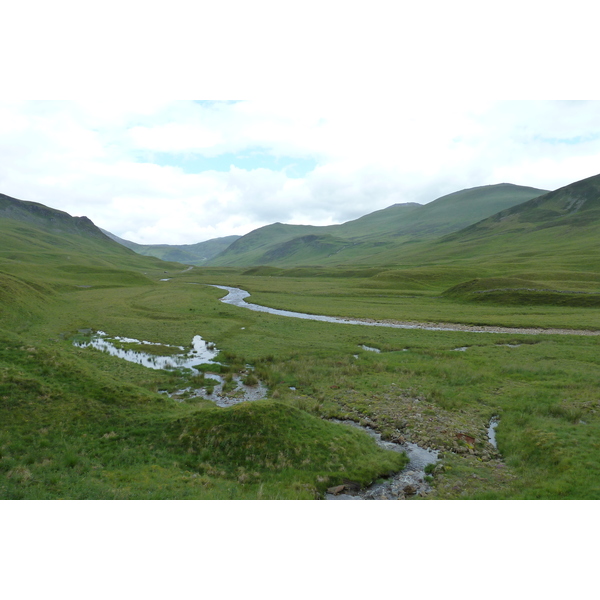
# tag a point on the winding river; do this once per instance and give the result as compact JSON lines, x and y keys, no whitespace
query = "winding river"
{"x":237,"y":297}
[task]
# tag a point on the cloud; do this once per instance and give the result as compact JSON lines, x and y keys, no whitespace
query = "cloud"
{"x":183,"y":172}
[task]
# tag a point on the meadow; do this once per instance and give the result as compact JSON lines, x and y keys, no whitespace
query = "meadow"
{"x":77,"y":423}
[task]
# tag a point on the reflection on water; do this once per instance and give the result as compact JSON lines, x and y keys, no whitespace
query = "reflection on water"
{"x":492,"y":431}
{"x":237,"y":297}
{"x":201,"y":352}
{"x":410,"y":481}
{"x":370,"y":349}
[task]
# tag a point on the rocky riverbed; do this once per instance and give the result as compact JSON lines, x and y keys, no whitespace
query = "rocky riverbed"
{"x":411,"y":481}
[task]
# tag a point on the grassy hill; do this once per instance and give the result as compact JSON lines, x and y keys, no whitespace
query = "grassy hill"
{"x":36,"y":236}
{"x":45,"y":251}
{"x":79,"y":424}
{"x":369,"y":239}
{"x":553,"y":240}
{"x":189,"y":254}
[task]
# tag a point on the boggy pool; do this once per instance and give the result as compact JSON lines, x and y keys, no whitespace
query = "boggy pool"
{"x":202,"y":353}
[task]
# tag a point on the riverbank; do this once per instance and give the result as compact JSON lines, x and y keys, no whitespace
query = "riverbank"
{"x":237,"y":296}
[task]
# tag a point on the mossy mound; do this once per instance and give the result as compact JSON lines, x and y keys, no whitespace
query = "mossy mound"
{"x":269,"y":437}
{"x":520,"y":292}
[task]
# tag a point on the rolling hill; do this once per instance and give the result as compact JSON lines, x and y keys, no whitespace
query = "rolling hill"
{"x":370,"y":238}
{"x":560,"y":228}
{"x":543,"y":251}
{"x":190,"y":254}
{"x":45,"y":250}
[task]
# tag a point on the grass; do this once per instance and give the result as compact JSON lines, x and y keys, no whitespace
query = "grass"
{"x":77,"y":423}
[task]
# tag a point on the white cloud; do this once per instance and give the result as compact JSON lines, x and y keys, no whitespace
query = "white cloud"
{"x":85,"y":158}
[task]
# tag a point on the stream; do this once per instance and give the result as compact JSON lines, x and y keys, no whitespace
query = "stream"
{"x":408,"y":482}
{"x":237,"y":296}
{"x":202,"y":353}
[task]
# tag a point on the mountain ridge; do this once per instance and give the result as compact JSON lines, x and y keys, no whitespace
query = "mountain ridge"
{"x":371,"y":234}
{"x":50,"y":219}
{"x":192,"y":254}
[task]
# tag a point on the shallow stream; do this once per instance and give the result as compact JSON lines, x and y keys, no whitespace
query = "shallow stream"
{"x":237,"y":296}
{"x":202,"y":353}
{"x":408,"y":482}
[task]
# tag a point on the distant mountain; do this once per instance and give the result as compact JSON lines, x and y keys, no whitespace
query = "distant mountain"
{"x":561,"y":227}
{"x":42,"y":244}
{"x":48,"y":219}
{"x":369,"y":239}
{"x":191,"y":254}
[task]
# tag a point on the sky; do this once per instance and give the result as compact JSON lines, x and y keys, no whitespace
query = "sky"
{"x":182,"y":172}
{"x":178,"y":124}
{"x":314,"y":112}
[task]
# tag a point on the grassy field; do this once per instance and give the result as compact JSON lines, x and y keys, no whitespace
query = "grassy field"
{"x":77,"y":423}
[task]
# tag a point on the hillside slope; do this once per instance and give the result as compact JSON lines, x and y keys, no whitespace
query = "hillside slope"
{"x":561,"y":227}
{"x":190,"y":254}
{"x":46,"y":218}
{"x":44,"y":250}
{"x":370,"y":238}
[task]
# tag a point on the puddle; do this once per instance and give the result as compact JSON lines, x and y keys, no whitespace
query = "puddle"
{"x":492,"y":431}
{"x":202,"y":352}
{"x":461,"y":349}
{"x":408,"y":482}
{"x":370,"y":349}
{"x":168,"y":279}
{"x":241,"y":393}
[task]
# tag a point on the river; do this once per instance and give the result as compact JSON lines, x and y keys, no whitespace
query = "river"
{"x":237,"y":297}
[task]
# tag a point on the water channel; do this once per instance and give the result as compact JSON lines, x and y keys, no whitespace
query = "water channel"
{"x":202,"y":353}
{"x":237,"y":296}
{"x":411,"y":481}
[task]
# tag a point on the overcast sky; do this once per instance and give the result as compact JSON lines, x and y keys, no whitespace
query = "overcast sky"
{"x":351,"y":108}
{"x":187,"y":171}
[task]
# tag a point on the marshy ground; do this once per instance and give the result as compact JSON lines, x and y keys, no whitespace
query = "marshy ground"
{"x":78,"y":423}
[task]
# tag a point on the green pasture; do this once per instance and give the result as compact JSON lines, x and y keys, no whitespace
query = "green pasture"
{"x":77,"y":423}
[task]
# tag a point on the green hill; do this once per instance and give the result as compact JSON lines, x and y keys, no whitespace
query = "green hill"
{"x":559,"y":228}
{"x":370,"y":239}
{"x":48,"y":219}
{"x":45,"y":250}
{"x":190,"y":254}
{"x":543,"y":251}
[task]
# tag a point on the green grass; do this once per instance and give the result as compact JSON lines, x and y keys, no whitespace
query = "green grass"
{"x":77,"y":423}
{"x":372,"y":238}
{"x":107,"y":433}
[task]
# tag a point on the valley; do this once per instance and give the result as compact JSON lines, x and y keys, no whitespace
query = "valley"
{"x":504,"y":293}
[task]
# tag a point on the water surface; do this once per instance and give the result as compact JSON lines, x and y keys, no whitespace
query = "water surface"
{"x":236,"y":297}
{"x":201,"y":353}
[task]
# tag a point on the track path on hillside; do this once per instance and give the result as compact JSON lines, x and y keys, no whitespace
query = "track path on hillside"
{"x":237,"y":297}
